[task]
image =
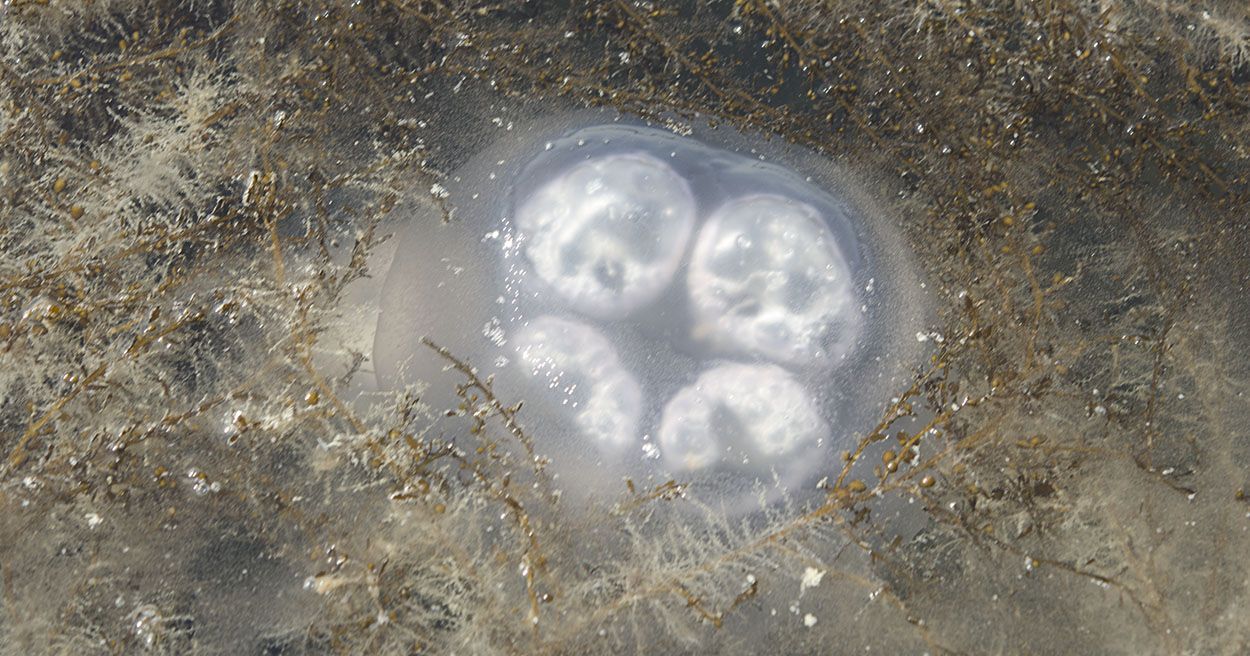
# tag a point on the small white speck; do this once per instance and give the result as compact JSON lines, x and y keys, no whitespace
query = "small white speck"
{"x":811,"y":578}
{"x":809,"y":620}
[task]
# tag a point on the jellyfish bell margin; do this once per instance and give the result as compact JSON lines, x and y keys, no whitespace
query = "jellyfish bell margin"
{"x":667,"y":306}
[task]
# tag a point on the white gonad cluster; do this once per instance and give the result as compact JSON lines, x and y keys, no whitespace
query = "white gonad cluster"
{"x":582,"y":368}
{"x":608,"y":234}
{"x":752,"y":415}
{"x":766,"y":279}
{"x":724,"y":295}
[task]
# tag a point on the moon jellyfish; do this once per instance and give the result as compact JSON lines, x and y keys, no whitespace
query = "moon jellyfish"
{"x":709,"y":307}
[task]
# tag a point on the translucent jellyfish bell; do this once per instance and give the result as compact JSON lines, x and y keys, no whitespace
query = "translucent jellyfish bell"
{"x":608,"y":234}
{"x":751,"y":416}
{"x":766,"y":278}
{"x":701,"y":305}
{"x":584,"y":378}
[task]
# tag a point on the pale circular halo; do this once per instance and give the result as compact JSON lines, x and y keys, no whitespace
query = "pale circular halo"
{"x":766,"y":278}
{"x":755,"y":414}
{"x":584,"y":379}
{"x":608,"y":234}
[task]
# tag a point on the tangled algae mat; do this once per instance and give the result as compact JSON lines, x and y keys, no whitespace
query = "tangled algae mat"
{"x":193,"y":459}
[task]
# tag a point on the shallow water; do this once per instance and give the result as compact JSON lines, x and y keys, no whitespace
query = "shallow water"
{"x":1043,"y":427}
